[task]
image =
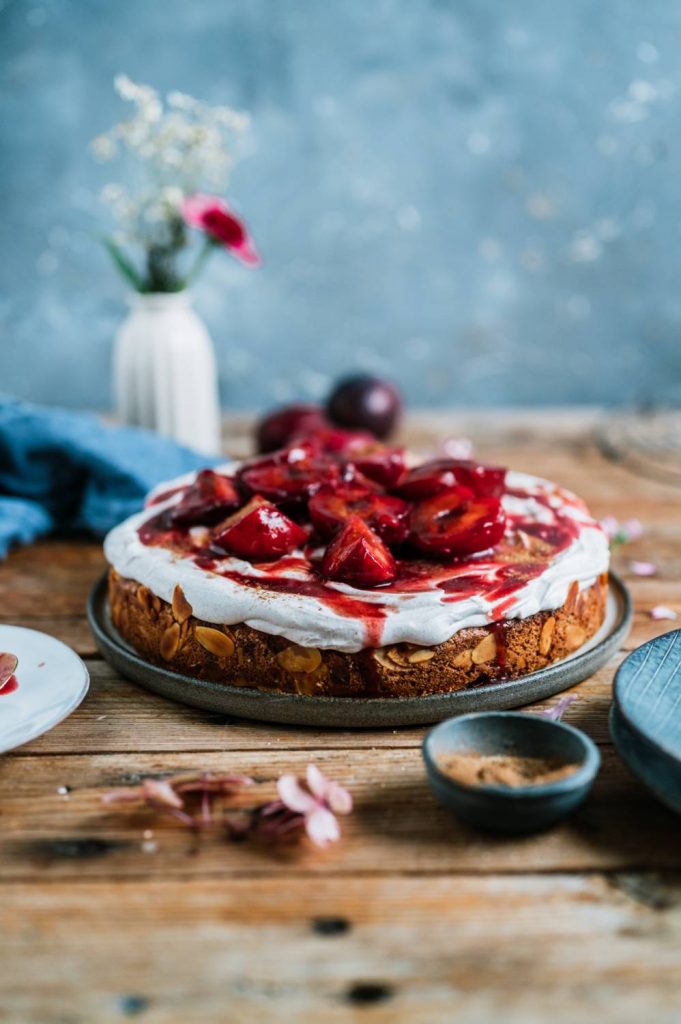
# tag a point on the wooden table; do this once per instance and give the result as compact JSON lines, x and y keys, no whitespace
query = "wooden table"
{"x":411,"y":917}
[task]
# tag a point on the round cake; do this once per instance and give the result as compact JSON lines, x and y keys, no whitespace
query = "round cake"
{"x":337,"y":567}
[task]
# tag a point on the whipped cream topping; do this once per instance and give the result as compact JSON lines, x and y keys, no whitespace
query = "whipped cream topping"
{"x":340,"y":617}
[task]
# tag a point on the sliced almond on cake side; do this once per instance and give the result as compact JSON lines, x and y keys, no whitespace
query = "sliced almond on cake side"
{"x":546,"y":636}
{"x":180,"y":605}
{"x":574,"y":636}
{"x":485,"y":651}
{"x":170,"y":642}
{"x":299,"y":659}
{"x":215,"y":641}
{"x":421,"y":655}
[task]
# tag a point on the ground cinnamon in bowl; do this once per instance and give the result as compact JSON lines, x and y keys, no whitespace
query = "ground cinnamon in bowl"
{"x":476,"y":769}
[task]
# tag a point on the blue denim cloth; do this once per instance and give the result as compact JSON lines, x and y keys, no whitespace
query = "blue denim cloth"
{"x":63,"y":471}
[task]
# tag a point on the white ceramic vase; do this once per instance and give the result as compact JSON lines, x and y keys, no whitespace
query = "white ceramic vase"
{"x":165,"y":375}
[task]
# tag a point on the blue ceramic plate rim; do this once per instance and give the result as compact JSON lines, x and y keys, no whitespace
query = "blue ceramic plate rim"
{"x":640,"y":733}
{"x":617,"y":724}
{"x":585,"y":774}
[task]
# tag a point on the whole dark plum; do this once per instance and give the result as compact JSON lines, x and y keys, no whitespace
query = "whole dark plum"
{"x":277,"y":428}
{"x":363,"y":402}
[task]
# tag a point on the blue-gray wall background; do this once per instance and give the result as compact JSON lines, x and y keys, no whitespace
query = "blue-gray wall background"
{"x":481,"y":199}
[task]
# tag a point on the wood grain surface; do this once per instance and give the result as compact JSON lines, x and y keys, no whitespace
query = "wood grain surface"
{"x":412,"y":917}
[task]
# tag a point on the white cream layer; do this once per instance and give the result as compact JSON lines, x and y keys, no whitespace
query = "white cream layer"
{"x":425,"y":617}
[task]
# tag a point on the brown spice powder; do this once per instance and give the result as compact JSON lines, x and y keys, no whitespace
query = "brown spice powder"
{"x":474,"y":769}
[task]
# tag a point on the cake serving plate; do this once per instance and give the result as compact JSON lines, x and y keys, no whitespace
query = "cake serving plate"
{"x":360,"y":713}
{"x":51,"y":683}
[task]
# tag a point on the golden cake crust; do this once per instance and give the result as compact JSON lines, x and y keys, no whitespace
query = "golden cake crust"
{"x":168,"y":634}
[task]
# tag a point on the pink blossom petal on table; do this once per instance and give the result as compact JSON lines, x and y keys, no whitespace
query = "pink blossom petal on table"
{"x":124,"y":795}
{"x":317,"y":781}
{"x":661,"y":612}
{"x":208,"y":783}
{"x":643,"y":568}
{"x":335,"y":796}
{"x":294,"y":796}
{"x":339,"y":799}
{"x":558,"y":710}
{"x":633,"y":529}
{"x":160,"y":793}
{"x":610,"y":526}
{"x":322,"y":827}
{"x":274,"y":821}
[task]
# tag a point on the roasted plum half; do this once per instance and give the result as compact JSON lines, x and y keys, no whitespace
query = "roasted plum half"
{"x":456,"y":522}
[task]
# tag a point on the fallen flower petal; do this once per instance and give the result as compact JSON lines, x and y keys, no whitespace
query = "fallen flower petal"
{"x":208,"y":783}
{"x":621,"y":533}
{"x":297,"y":808}
{"x":558,"y":710}
{"x":610,"y":527}
{"x":322,"y":827}
{"x":633,"y":529}
{"x":124,"y":795}
{"x":660,"y":612}
{"x":160,"y":793}
{"x":270,"y":822}
{"x":643,"y":568}
{"x":332,"y":793}
{"x":294,"y":796}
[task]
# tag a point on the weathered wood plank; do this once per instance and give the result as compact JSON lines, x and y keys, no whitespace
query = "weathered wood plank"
{"x":519,"y":949}
{"x":49,"y":579}
{"x":397,"y":825}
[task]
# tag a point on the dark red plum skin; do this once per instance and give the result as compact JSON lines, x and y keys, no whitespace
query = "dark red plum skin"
{"x":365,"y":403}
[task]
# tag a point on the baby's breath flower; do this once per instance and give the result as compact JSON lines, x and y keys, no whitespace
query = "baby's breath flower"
{"x":172,"y":196}
{"x":112,"y":193}
{"x":181,"y":100}
{"x":182,"y":148}
{"x":103,"y":147}
{"x":125,"y":87}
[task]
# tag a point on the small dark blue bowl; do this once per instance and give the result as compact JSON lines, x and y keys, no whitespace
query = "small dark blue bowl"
{"x":504,"y":808}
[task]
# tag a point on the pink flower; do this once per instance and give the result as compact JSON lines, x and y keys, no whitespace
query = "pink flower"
{"x":168,"y":794}
{"x":610,"y":527}
{"x":633,"y":529}
{"x":621,"y":533}
{"x":661,"y":612}
{"x":211,"y":215}
{"x":318,"y":804}
{"x":643,"y":568}
{"x":457,"y":448}
{"x":558,"y":710}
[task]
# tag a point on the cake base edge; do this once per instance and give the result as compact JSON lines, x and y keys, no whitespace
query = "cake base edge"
{"x":169,"y":635}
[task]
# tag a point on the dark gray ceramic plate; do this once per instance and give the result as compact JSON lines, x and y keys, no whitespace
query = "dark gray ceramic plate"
{"x":349,"y":712}
{"x":645,"y":720}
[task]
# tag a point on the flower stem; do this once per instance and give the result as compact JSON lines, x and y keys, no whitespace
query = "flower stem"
{"x":123,"y":264}
{"x":199,"y":262}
